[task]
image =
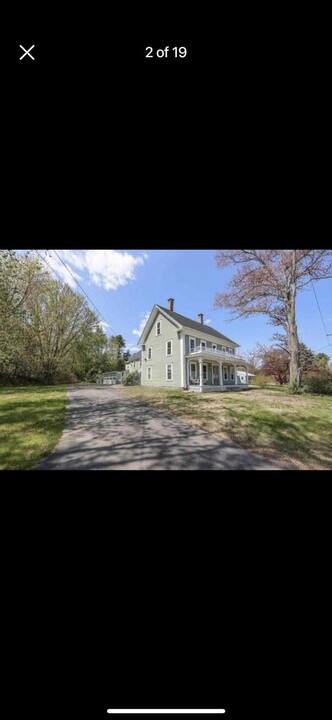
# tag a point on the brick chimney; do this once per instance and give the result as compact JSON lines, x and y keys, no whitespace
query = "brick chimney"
{"x":170,"y":304}
{"x":201,"y":318}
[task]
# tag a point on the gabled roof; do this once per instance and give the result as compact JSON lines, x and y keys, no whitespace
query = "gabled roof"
{"x":135,"y":358}
{"x":194,"y":325}
{"x":181,"y":321}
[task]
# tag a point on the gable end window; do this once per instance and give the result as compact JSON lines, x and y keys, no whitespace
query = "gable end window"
{"x":150,"y":353}
{"x":158,"y":328}
{"x":169,"y":371}
{"x":169,"y":347}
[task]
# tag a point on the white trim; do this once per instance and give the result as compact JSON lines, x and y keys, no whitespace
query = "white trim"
{"x":203,"y":344}
{"x":214,"y":346}
{"x":150,"y":357}
{"x":232,"y":373}
{"x":194,"y":339}
{"x":161,"y":328}
{"x":167,"y":366}
{"x":150,"y":322}
{"x":171,"y":353}
{"x":207,"y":372}
{"x":182,"y":361}
{"x":147,"y":377}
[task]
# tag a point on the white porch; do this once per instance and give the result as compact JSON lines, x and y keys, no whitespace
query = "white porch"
{"x":210,"y":370}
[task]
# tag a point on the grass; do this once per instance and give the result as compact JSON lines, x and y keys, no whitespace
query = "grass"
{"x":292,"y":429}
{"x":31,"y":423}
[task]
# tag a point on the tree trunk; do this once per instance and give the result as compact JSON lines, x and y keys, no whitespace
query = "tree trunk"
{"x":293,"y":342}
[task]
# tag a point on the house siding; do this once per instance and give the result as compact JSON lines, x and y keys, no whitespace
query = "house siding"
{"x":159,"y":359}
{"x":131,"y":367}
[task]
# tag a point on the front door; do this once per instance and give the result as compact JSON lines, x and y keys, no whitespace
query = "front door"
{"x":216,"y":375}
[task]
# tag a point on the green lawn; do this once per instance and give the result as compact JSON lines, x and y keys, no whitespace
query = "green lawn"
{"x":31,"y":423}
{"x":293,"y":429}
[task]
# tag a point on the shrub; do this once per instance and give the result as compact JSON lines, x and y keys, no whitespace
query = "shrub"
{"x":319,"y":384}
{"x":133,"y":378}
{"x":261,"y":381}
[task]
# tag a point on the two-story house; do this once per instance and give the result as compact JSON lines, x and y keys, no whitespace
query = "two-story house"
{"x":178,"y":352}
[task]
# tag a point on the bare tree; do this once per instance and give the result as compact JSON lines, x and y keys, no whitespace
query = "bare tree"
{"x":267,"y":282}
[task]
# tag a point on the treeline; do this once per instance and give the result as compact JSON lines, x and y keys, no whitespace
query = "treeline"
{"x":48,"y":333}
{"x":272,"y":363}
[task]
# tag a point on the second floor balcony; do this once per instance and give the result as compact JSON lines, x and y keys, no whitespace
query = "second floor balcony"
{"x":217,"y":354}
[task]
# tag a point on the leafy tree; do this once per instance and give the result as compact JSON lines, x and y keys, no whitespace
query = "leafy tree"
{"x":267,"y":282}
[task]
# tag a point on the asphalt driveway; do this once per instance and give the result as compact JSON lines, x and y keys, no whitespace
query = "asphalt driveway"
{"x":106,"y":430}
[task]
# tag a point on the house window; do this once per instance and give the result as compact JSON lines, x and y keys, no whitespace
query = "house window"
{"x":158,"y":328}
{"x":169,"y":347}
{"x":150,"y":373}
{"x":214,"y":347}
{"x":203,"y":344}
{"x":205,"y":373}
{"x":193,"y":370}
{"x":232,"y":373}
{"x":225,"y":373}
{"x":169,"y":372}
{"x":192,"y":345}
{"x":150,"y":353}
{"x":223,"y":348}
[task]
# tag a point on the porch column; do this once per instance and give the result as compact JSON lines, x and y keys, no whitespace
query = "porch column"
{"x":235,"y":374}
{"x":188,"y":373}
{"x":201,"y":373}
{"x":221,"y":375}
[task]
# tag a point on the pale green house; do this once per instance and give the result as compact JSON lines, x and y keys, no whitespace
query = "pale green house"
{"x":134,"y":363}
{"x":178,"y":352}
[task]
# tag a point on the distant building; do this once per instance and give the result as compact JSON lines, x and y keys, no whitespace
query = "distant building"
{"x":134,"y":363}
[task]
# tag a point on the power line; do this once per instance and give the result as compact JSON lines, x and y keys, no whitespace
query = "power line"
{"x":86,"y":294}
{"x":80,"y":286}
{"x":321,"y":314}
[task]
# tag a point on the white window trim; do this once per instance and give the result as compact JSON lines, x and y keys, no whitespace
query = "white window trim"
{"x":171,"y":353}
{"x":167,"y":366}
{"x":223,"y":348}
{"x":194,"y":340}
{"x":214,"y":346}
{"x":161,"y":329}
{"x":225,"y":372}
{"x":149,"y":368}
{"x":150,"y":358}
{"x":203,"y":344}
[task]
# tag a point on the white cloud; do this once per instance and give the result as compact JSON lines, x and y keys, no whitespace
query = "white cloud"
{"x":108,"y":269}
{"x":59,"y":269}
{"x":103,"y":325}
{"x":142,"y":324}
{"x":207,"y":322}
{"x":132,"y":348}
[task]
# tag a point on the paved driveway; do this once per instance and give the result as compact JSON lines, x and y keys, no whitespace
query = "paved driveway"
{"x":106,"y":430}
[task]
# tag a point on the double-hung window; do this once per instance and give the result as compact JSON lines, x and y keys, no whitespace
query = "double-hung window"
{"x":169,"y":371}
{"x":169,"y":347}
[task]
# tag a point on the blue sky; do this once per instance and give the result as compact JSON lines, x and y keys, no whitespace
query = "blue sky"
{"x":125,"y":284}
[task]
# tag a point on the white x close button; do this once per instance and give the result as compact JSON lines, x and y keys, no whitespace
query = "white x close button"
{"x":27,"y":52}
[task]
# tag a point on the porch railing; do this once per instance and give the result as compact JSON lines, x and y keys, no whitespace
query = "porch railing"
{"x":198,"y":349}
